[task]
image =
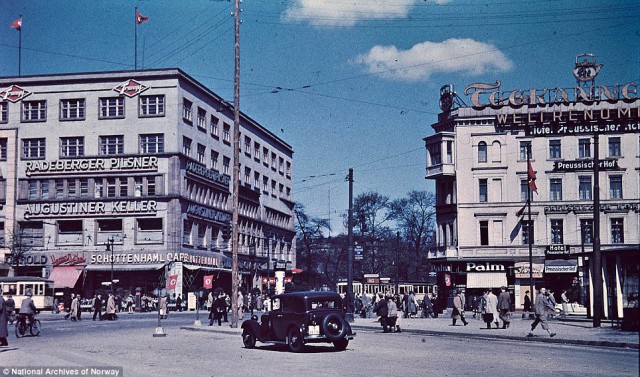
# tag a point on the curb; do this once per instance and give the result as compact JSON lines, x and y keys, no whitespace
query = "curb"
{"x":594,"y":343}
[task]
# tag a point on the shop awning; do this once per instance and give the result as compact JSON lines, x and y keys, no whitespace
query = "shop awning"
{"x":125,"y":267}
{"x":205,"y":268}
{"x":486,"y":279}
{"x":65,"y":276}
{"x":560,"y":266}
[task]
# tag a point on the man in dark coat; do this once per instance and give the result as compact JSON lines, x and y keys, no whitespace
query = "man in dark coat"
{"x":97,"y":307}
{"x":382,"y":311}
{"x":504,"y":306}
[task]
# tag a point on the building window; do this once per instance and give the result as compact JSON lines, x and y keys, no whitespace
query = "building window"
{"x":69,"y":232}
{"x":614,"y":147}
{"x":201,"y":152}
{"x":202,"y":236}
{"x":617,"y":230}
{"x":525,"y":151}
{"x":484,"y":233}
{"x":555,"y":149}
{"x":265,"y":156}
{"x":72,"y":109}
{"x":555,"y":189}
{"x":34,"y":111}
{"x":44,"y":190}
{"x":4,"y":112}
{"x":226,"y":133}
{"x":152,"y":106}
{"x":584,"y":187}
{"x":524,"y":189}
{"x":84,"y":187}
{"x":112,"y":187}
{"x":59,"y":188}
{"x":482,"y":152}
{"x":450,"y":152}
{"x":256,"y":180}
{"x":288,"y":171}
{"x":226,"y":161}
{"x":186,"y":146}
{"x":584,"y":148}
{"x":214,"y":126}
{"x":187,"y":231}
{"x":247,"y":146}
{"x":214,"y":160}
{"x":33,"y":148}
{"x":151,"y":143}
{"x":202,"y":120}
{"x":527,"y":230}
{"x":107,"y":229}
{"x":186,"y":110}
{"x":98,"y":188}
{"x":149,"y":230}
{"x":265,"y":184}
{"x":247,"y":176}
{"x":615,"y":187}
{"x":483,"y":191}
{"x":33,"y":190}
{"x":31,"y":233}
{"x":557,"y":232}
{"x":71,"y":146}
{"x":435,"y":154}
{"x":123,"y":187}
{"x":72,"y":188}
{"x":3,"y":149}
{"x":273,"y":161}
{"x":256,"y":151}
{"x":586,"y":230}
{"x":111,"y":145}
{"x":111,"y":107}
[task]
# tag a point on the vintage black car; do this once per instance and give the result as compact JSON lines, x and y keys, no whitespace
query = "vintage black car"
{"x":299,"y":318}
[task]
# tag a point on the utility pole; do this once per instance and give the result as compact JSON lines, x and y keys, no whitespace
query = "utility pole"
{"x":236,"y":171}
{"x":397,"y":261}
{"x":350,"y":251}
{"x":597,"y":262}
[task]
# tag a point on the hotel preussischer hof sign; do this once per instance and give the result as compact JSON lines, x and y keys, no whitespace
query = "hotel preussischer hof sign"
{"x":558,"y":111}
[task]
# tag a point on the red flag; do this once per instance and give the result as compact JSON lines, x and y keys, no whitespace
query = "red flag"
{"x":173,"y":281}
{"x":208,"y":282}
{"x":532,"y":179}
{"x":17,"y":24}
{"x":140,"y":18}
{"x":521,"y":210}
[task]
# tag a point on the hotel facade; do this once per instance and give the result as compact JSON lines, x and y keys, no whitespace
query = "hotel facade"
{"x":131,"y":174}
{"x":478,"y":157}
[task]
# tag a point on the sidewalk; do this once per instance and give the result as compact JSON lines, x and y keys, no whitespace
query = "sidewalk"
{"x":575,"y":329}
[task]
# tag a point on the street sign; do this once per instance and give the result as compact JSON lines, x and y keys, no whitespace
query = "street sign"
{"x":358,"y":252}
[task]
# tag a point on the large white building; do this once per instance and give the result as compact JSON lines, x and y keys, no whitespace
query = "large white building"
{"x":141,"y":161}
{"x":478,"y":160}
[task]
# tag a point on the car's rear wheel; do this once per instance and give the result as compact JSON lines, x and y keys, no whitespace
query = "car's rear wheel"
{"x":296,"y":343}
{"x":249,"y":339}
{"x":341,"y":344}
{"x":334,"y":327}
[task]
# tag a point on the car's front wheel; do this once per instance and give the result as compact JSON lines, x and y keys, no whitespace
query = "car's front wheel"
{"x":248,"y":339}
{"x":341,"y":344}
{"x":296,"y":343}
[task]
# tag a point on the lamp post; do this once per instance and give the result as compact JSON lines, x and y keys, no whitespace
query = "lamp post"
{"x":109,"y":246}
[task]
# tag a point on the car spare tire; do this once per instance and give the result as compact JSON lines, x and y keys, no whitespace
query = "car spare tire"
{"x":334,"y":327}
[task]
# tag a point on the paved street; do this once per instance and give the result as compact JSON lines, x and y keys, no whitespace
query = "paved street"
{"x":128,"y":343}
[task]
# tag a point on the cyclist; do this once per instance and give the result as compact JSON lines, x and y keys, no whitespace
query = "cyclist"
{"x":11,"y":308}
{"x":27,"y":308}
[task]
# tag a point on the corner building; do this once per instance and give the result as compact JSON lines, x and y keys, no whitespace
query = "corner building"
{"x":478,"y":160}
{"x":131,"y":172}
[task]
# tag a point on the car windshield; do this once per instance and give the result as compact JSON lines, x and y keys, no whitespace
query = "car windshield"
{"x":325,"y":303}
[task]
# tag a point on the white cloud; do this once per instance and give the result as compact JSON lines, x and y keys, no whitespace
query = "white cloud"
{"x":464,"y":56}
{"x":348,"y":12}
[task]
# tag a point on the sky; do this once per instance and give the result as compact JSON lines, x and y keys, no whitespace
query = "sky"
{"x":347,"y":83}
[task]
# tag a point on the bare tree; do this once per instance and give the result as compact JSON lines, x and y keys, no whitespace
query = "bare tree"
{"x":371,"y":213}
{"x":415,"y":216}
{"x":19,"y":245}
{"x":310,"y":231}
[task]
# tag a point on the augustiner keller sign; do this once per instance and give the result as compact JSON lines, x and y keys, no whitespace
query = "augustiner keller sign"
{"x":94,"y":208}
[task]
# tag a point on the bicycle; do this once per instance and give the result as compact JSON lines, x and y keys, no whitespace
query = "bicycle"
{"x":22,"y":326}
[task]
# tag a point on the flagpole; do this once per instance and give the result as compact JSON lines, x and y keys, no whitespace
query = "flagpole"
{"x":530,"y":236}
{"x":20,"y":48}
{"x":135,"y":22}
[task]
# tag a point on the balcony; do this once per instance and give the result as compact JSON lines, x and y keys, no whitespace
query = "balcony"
{"x":440,"y":170}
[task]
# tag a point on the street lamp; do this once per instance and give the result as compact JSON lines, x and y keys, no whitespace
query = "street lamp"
{"x":109,"y":246}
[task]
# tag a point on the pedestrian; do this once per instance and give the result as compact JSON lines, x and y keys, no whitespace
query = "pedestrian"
{"x":392,"y":315}
{"x":504,"y":306}
{"x":164,"y":307}
{"x":259,"y":302}
{"x":427,"y":306}
{"x":527,"y":302}
{"x":111,"y":308}
{"x":551,"y":310}
{"x":487,"y":316}
{"x":492,"y":307}
{"x":227,"y":301}
{"x":210,"y":300}
{"x":564,"y":300}
{"x":436,"y":306}
{"x":75,"y":306}
{"x":55,"y":309}
{"x":4,"y":330}
{"x":10,"y":305}
{"x":179,"y":303}
{"x":218,"y":309}
{"x":382,"y":310}
{"x":130,"y":304}
{"x":412,"y":305}
{"x":97,"y":307}
{"x":240,"y":302}
{"x":541,"y":306}
{"x":458,"y":308}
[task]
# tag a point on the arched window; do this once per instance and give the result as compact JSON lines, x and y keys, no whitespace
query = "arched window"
{"x":496,"y":152}
{"x":482,"y":151}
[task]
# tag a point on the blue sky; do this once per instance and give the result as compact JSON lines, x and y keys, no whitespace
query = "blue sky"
{"x":347,"y":83}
